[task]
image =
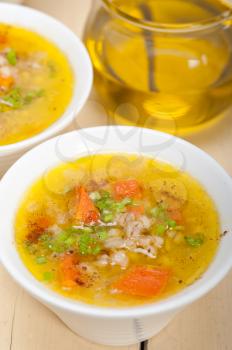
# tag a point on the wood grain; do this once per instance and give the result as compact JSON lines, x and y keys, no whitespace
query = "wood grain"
{"x":205,"y":325}
{"x":25,"y":324}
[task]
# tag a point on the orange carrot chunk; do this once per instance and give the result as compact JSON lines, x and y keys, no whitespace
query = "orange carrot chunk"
{"x":6,"y":82}
{"x":143,"y":281}
{"x":127,"y":188}
{"x":3,"y":38}
{"x":68,"y":271}
{"x":175,"y":215}
{"x":136,"y":210}
{"x":86,"y":210}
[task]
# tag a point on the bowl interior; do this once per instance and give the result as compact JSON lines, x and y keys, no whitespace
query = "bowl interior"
{"x":74,"y":50}
{"x":73,"y":145}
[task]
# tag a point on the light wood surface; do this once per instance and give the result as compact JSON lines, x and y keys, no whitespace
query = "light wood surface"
{"x":206,"y":325}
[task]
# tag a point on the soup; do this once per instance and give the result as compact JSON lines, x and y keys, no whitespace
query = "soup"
{"x":36,"y":84}
{"x":117,"y":230}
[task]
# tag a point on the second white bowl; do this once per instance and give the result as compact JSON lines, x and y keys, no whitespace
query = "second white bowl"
{"x":78,"y":57}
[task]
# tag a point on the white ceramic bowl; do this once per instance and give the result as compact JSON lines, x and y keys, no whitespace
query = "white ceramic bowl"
{"x":108,"y":325}
{"x":78,"y":57}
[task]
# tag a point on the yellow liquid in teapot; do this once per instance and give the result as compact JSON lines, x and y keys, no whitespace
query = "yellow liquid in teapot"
{"x":166,"y":81}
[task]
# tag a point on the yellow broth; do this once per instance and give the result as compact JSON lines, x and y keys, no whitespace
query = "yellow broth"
{"x":36,"y":84}
{"x":188,"y":247}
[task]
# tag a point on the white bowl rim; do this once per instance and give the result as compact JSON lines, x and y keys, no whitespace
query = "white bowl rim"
{"x":66,"y":118}
{"x":167,"y":305}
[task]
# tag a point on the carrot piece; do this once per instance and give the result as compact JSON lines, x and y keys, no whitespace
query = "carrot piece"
{"x":127,"y":188}
{"x":3,"y":39}
{"x":68,"y":270}
{"x":175,"y":215}
{"x":6,"y":82}
{"x":86,"y":210}
{"x":143,"y":281}
{"x":136,"y":210}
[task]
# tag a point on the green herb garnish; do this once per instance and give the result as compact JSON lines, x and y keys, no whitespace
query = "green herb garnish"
{"x":159,"y":213}
{"x":41,"y":260}
{"x":108,"y":217}
{"x":11,"y":57}
{"x":69,"y":242}
{"x":95,"y":250}
{"x":86,"y":241}
{"x":64,"y":241}
{"x":14,"y":98}
{"x":48,"y":276}
{"x":160,"y":230}
{"x":102,"y":234}
{"x":88,"y":245}
{"x":17,"y":100}
{"x":105,"y":203}
{"x":32,"y":95}
{"x":108,"y":206}
{"x":120,"y":206}
{"x":195,"y":240}
{"x":171,"y":223}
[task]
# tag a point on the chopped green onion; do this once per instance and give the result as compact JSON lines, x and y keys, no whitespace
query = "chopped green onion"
{"x":102,"y":235}
{"x":14,"y":98}
{"x":48,"y":276}
{"x":41,"y":260}
{"x":105,"y":194}
{"x":160,"y":230}
{"x":171,"y":223}
{"x":88,"y":245}
{"x":11,"y":57}
{"x":70,"y":242}
{"x":45,"y":240}
{"x":31,"y":95}
{"x":57,"y":248}
{"x":195,"y":240}
{"x":126,"y":201}
{"x":44,"y":237}
{"x":107,"y":203}
{"x":84,"y":243}
{"x":96,"y":250}
{"x":70,"y":230}
{"x":62,"y":242}
{"x":108,"y":217}
{"x":120,"y":206}
{"x":104,"y":203}
{"x":87,"y":230}
{"x":62,"y":237}
{"x":159,"y":212}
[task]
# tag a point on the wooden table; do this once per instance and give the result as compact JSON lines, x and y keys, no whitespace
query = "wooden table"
{"x":206,"y":325}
